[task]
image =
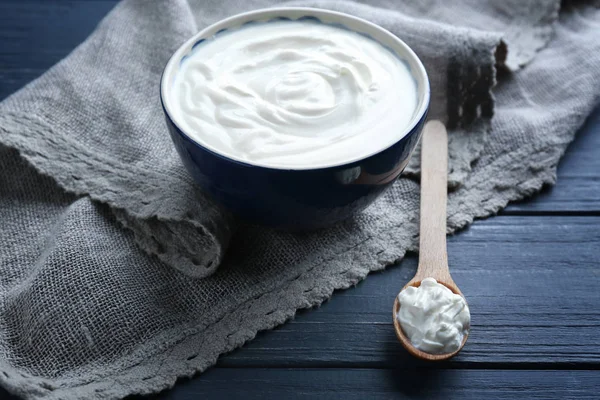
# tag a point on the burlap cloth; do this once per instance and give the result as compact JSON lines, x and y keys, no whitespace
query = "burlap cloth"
{"x":89,"y":309}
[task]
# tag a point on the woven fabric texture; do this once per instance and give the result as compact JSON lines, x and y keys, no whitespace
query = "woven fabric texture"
{"x":118,"y":276}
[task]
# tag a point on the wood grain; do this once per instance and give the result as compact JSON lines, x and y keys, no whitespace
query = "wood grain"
{"x":360,"y":384}
{"x":389,"y":384}
{"x":433,"y":260}
{"x":36,"y":34}
{"x":532,"y":286}
{"x":531,"y":277}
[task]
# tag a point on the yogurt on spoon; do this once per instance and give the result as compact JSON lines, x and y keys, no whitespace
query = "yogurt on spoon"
{"x":433,"y":318}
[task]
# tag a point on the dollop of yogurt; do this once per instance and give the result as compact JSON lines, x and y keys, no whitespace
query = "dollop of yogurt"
{"x":433,"y":318}
{"x":293,"y":94}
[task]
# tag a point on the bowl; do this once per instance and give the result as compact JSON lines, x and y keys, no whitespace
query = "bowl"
{"x":297,"y":198}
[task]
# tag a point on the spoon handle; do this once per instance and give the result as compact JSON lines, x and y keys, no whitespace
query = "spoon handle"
{"x":433,"y":257}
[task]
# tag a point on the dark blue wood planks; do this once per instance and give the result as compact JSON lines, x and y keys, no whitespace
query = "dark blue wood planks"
{"x":531,"y":276}
{"x":36,"y":34}
{"x":531,"y":282}
{"x":361,"y":384}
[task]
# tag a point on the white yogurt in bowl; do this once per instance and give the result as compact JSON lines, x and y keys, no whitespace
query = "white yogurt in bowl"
{"x":295,"y":118}
{"x":294,"y":94}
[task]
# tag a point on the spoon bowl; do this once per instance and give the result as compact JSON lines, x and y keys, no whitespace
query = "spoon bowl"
{"x":433,"y":257}
{"x":406,"y":341}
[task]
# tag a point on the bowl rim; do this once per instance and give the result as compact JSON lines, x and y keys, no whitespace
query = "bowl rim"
{"x":275,"y":12}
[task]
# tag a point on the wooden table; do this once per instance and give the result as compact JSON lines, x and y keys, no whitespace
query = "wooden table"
{"x":531,"y":274}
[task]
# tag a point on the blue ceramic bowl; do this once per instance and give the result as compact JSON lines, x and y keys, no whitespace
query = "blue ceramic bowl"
{"x":301,"y":198}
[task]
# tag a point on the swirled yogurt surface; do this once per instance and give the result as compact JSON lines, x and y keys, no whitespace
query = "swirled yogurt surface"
{"x":434,"y":318}
{"x":293,"y":94}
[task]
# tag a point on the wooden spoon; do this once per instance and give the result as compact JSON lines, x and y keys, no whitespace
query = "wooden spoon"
{"x":433,"y":258}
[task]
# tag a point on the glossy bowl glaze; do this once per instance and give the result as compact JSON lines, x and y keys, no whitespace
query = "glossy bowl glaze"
{"x":299,"y":198}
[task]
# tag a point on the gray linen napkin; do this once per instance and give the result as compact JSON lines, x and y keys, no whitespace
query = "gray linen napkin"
{"x":95,"y":125}
{"x":87,"y":313}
